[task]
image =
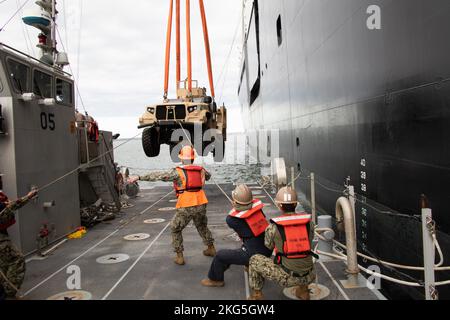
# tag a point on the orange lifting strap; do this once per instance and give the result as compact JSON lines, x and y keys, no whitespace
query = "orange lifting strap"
{"x":188,"y":39}
{"x":207,"y":47}
{"x":188,"y":46}
{"x":168,"y":41}
{"x":178,"y":44}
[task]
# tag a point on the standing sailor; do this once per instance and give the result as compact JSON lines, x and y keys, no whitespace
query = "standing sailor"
{"x":189,"y":181}
{"x":290,"y":235}
{"x":249,"y":222}
{"x":12,"y":262}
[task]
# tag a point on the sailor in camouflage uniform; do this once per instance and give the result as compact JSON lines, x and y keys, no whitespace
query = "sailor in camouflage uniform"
{"x":12,"y":262}
{"x":288,"y":269}
{"x":188,"y":182}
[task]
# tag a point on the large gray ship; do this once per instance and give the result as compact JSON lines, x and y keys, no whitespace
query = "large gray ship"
{"x":359,"y":94}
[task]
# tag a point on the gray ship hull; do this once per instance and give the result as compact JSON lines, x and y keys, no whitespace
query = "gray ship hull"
{"x":371,"y":105}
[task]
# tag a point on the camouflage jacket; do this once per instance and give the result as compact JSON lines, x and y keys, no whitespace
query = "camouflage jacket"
{"x":168,"y":176}
{"x":7,"y":214}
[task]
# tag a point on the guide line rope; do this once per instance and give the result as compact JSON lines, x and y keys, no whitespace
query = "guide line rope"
{"x":85,"y":165}
{"x":212,"y":178}
{"x":15,"y":13}
{"x":344,"y":258}
{"x":73,"y":75}
{"x":8,"y":282}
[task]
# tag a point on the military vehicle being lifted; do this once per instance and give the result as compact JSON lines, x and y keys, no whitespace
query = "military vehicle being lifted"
{"x":161,"y":122}
{"x":192,"y":118}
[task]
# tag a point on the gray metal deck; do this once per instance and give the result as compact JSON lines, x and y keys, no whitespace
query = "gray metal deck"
{"x":149,"y":273}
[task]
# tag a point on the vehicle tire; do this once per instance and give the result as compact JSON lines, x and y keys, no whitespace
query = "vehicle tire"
{"x":151,"y":143}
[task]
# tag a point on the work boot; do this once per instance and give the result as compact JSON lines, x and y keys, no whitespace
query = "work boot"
{"x":210,"y":252}
{"x":179,"y":260}
{"x":256,"y":295}
{"x":211,"y":283}
{"x":302,"y":293}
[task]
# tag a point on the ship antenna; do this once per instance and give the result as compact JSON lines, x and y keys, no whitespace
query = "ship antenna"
{"x":45,"y":21}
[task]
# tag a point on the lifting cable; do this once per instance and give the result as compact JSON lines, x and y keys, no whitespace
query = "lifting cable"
{"x":188,"y":47}
{"x":207,"y":48}
{"x":168,"y":42}
{"x":178,"y":45}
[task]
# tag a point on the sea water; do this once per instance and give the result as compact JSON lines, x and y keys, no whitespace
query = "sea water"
{"x":239,"y":166}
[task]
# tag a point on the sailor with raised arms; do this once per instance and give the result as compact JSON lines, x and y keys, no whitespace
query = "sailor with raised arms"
{"x":12,"y":262}
{"x":188,"y":181}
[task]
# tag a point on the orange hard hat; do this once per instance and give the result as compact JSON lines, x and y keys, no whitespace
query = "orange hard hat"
{"x":187,"y":153}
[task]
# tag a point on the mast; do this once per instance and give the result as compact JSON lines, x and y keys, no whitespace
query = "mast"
{"x":44,"y":19}
{"x":47,"y":35}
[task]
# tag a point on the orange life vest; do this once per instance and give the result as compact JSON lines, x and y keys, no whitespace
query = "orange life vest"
{"x":294,"y":231}
{"x":93,"y":131}
{"x":190,"y":193}
{"x":254,"y":217}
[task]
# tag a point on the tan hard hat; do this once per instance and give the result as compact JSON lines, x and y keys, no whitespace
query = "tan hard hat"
{"x":242,"y":195}
{"x":286,"y":195}
{"x":187,"y":153}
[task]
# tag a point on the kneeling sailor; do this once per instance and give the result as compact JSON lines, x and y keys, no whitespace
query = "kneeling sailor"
{"x":249,"y":222}
{"x":290,"y":235}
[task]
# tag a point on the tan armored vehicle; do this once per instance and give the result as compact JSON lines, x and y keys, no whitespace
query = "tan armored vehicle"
{"x":171,"y":121}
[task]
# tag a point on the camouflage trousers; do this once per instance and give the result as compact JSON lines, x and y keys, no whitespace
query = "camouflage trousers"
{"x":262,"y":268}
{"x":12,"y":265}
{"x":182,"y":218}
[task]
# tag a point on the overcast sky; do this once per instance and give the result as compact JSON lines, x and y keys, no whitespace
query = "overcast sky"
{"x":116,"y":49}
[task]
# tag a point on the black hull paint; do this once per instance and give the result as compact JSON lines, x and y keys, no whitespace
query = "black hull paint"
{"x":372,"y":105}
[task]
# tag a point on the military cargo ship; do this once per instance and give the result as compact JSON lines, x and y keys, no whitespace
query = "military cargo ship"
{"x":359,"y":94}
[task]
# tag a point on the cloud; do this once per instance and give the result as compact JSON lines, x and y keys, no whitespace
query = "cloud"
{"x":117,"y":48}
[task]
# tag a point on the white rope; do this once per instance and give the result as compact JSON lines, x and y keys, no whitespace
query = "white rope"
{"x":390,"y":264}
{"x":8,"y":281}
{"x":12,"y":17}
{"x":344,"y":258}
{"x":77,"y":88}
{"x":85,"y":165}
{"x":212,"y":178}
